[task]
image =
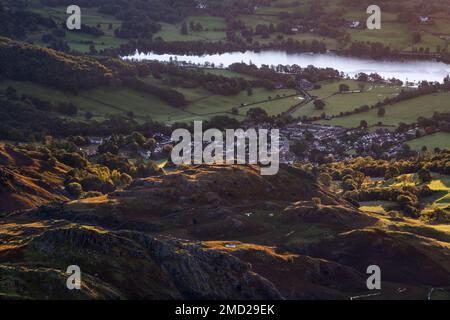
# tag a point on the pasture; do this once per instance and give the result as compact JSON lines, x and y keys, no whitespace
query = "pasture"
{"x":437,"y":140}
{"x":406,"y":111}
{"x":342,"y":102}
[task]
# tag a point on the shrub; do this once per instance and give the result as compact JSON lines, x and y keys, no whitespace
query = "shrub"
{"x":316,"y":201}
{"x":74,"y":189}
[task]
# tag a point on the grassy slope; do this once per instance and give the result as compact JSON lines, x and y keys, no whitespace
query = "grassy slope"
{"x":102,"y":101}
{"x":406,"y":111}
{"x":213,"y":30}
{"x":440,"y":183}
{"x":202,"y":104}
{"x":440,"y":140}
{"x":336,"y":103}
{"x":393,"y":34}
{"x":81,"y":41}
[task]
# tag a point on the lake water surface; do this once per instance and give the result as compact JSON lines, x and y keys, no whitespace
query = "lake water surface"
{"x":413,"y":71}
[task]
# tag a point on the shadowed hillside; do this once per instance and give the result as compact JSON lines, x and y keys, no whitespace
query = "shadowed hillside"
{"x":163,"y":236}
{"x":27,"y":181}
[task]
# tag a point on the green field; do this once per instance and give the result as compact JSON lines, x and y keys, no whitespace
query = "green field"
{"x":103,"y":102}
{"x":437,"y":140}
{"x":203,"y":105}
{"x":381,"y":207}
{"x":81,"y":41}
{"x":393,"y":34}
{"x":228,"y":73}
{"x":213,"y":30}
{"x":441,"y":199}
{"x":440,"y":183}
{"x":337,"y":103}
{"x":407,"y":112}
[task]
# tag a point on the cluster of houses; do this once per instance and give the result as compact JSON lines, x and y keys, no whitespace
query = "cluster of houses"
{"x":384,"y":137}
{"x":336,"y":141}
{"x":340,"y":142}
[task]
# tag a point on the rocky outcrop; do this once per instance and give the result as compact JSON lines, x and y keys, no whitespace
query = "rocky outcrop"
{"x":128,"y":265}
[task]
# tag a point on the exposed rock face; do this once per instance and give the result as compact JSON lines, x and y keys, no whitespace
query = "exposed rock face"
{"x":124,"y":264}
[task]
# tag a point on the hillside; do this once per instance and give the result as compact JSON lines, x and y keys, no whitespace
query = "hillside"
{"x":87,"y":178}
{"x":25,"y":180}
{"x":244,"y":242}
{"x":328,"y":24}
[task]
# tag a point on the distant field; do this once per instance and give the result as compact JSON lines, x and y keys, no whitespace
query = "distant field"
{"x":205,"y":104}
{"x":437,"y":140}
{"x":280,"y":6}
{"x":406,"y":111}
{"x":392,"y":34}
{"x":213,"y":30}
{"x":337,"y":103}
{"x":228,"y":73}
{"x":103,"y":102}
{"x":253,"y":20}
{"x":219,"y":104}
{"x":81,"y":41}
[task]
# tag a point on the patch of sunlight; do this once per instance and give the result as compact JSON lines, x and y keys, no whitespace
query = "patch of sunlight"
{"x":4,"y":247}
{"x":96,"y":200}
{"x":237,"y":246}
{"x":95,"y":229}
{"x":438,"y":185}
{"x":375,"y":209}
{"x":442,"y":227}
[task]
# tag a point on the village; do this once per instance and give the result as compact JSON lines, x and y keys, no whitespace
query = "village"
{"x":338,"y":143}
{"x":317,"y":142}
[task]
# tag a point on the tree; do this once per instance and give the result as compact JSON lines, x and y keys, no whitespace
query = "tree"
{"x":361,"y":86}
{"x":299,"y":148}
{"x":121,"y":180}
{"x":391,"y":173}
{"x":74,"y":189}
{"x":349,"y":185}
{"x":344,"y":88}
{"x":424,"y":175}
{"x":319,"y":104}
{"x":257,"y":115}
{"x":291,"y":84}
{"x":325,"y":179}
{"x":417,"y":37}
{"x":151,"y":144}
{"x":11,"y":93}
{"x":167,"y":149}
{"x":381,"y":112}
{"x":406,"y":148}
{"x":138,"y":138}
{"x":184,"y":28}
{"x":88,"y":115}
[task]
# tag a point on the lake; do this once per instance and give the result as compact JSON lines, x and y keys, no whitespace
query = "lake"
{"x":410,"y":70}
